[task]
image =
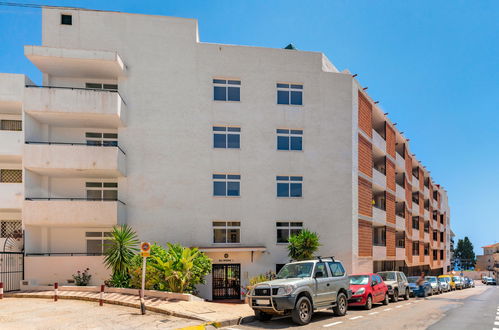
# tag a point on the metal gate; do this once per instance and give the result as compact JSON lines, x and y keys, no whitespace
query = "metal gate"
{"x":11,"y":270}
{"x":226,"y":281}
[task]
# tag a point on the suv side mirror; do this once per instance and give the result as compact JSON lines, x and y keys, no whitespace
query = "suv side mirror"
{"x":373,"y":283}
{"x":319,"y":274}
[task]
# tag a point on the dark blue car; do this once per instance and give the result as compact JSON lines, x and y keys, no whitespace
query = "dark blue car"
{"x":415,"y":290}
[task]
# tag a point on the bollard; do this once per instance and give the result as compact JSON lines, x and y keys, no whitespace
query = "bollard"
{"x":1,"y":290}
{"x":101,"y":298}
{"x":56,"y":287}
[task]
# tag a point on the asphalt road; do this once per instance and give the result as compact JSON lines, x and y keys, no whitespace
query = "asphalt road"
{"x":439,"y":310}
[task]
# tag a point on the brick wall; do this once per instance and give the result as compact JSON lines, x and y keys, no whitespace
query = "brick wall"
{"x":390,"y":174}
{"x":365,"y":197}
{"x":390,"y":242}
{"x":408,"y":250}
{"x":421,"y":204}
{"x":408,"y":165}
{"x":421,"y":251}
{"x":365,"y":156}
{"x":365,"y":115}
{"x":408,"y":192}
{"x":421,"y":228}
{"x":365,"y":238}
{"x":390,"y":208}
{"x":408,"y":222}
{"x":421,"y":179}
{"x":390,"y":140}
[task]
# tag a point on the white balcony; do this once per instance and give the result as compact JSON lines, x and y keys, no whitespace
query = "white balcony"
{"x":379,"y":252}
{"x":77,"y":212}
{"x":379,"y":178}
{"x":415,"y":182}
{"x":74,"y":160}
{"x":11,"y":196}
{"x":415,"y":235}
{"x":75,"y":107}
{"x":400,"y":192}
{"x":379,"y":216}
{"x":426,"y":214}
{"x":400,"y":223}
{"x":379,"y":142}
{"x":400,"y":253}
{"x":11,"y":146}
{"x":415,"y":209}
{"x":434,"y":204}
{"x":426,"y":237}
{"x":426,"y":192}
{"x":11,"y":93}
{"x":399,"y":161}
{"x":80,"y":63}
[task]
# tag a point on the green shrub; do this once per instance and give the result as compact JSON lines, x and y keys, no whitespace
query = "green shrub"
{"x":303,"y":245}
{"x":82,"y":278}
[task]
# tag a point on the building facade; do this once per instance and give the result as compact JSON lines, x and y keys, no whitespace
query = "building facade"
{"x":227,"y":148}
{"x":489,"y":261}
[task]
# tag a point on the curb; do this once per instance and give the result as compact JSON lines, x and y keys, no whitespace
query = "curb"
{"x":106,"y":301}
{"x":221,"y":324}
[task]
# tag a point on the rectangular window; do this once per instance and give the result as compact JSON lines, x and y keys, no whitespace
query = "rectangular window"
{"x":441,"y":254}
{"x":291,"y":94}
{"x":108,"y":87}
{"x":336,"y":268}
{"x":226,"y":137}
{"x":226,"y":90}
{"x":289,"y":186}
{"x":227,"y":185}
{"x":435,"y":235}
{"x":102,"y":139}
{"x":289,"y":139}
{"x":426,"y":250}
{"x":11,"y":125}
{"x":11,"y":176}
{"x":415,"y":248}
{"x":66,"y":19}
{"x":107,"y":191}
{"x":287,"y":229}
{"x":97,"y":242}
{"x":379,"y":236}
{"x":415,"y":223}
{"x":226,"y":232}
{"x":10,"y":228}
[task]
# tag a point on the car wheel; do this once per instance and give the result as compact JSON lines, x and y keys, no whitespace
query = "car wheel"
{"x":369,"y":303}
{"x":261,"y":316}
{"x":407,"y":294}
{"x":395,"y":296}
{"x":430,"y":293}
{"x":341,"y":305}
{"x":386,"y":301}
{"x":303,"y":311}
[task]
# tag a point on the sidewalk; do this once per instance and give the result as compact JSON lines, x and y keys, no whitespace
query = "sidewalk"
{"x":218,"y":314}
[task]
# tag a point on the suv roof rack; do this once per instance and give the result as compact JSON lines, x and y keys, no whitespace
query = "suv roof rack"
{"x":320,"y":258}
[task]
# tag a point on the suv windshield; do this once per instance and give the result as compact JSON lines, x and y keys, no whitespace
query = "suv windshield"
{"x":442,"y":279}
{"x":359,"y":279}
{"x":431,"y":279}
{"x":387,"y":276}
{"x":456,"y":279}
{"x":298,"y":270}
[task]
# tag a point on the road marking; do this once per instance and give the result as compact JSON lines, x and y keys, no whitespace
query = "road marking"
{"x":496,"y":323}
{"x":387,"y":309}
{"x":356,"y":317}
{"x":497,"y":317}
{"x":373,"y":313}
{"x":331,"y":324}
{"x":400,"y":306}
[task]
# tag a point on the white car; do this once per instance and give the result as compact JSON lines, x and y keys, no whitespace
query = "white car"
{"x":444,"y":284}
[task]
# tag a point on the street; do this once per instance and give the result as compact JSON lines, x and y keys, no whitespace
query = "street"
{"x":473,"y":308}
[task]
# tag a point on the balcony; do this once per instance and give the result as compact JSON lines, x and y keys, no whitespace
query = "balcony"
{"x":80,"y":63}
{"x":74,"y":160}
{"x":379,"y":178}
{"x":379,"y":216}
{"x":426,"y":214}
{"x":415,"y":235}
{"x":73,"y":212}
{"x":426,"y":260}
{"x":400,"y":192}
{"x":11,"y":92}
{"x":426,"y":237}
{"x":379,"y":142}
{"x":400,"y":253}
{"x":379,"y":252}
{"x":400,"y":223}
{"x":76,"y":107}
{"x":434,"y":204}
{"x":399,"y":161}
{"x":415,"y":260}
{"x":11,"y":196}
{"x":415,"y":183}
{"x":415,"y":208}
{"x":11,"y":146}
{"x":426,"y":192}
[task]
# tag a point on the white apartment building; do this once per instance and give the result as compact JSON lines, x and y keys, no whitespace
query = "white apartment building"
{"x":227,"y":148}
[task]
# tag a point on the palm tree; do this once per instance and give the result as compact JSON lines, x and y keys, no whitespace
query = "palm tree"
{"x":120,"y":251}
{"x":303,"y":245}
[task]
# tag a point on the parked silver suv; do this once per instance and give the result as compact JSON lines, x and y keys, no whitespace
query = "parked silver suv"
{"x":301,"y":288}
{"x":397,"y":284}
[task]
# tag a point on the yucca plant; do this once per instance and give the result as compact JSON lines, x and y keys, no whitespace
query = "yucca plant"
{"x":119,"y":253}
{"x":303,"y":245}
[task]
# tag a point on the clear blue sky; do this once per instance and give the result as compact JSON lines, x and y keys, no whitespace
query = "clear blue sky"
{"x":434,"y":66}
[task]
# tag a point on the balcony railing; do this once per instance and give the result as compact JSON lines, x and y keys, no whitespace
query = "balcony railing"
{"x":76,"y":144}
{"x":80,"y":88}
{"x":73,"y":199}
{"x":69,"y":254}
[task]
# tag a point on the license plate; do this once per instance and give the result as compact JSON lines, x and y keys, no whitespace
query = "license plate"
{"x":263,"y":302}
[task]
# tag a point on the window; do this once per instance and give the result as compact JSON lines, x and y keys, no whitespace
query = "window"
{"x":441,"y":254}
{"x":108,"y":87}
{"x":441,"y":236}
{"x":289,"y":139}
{"x":226,"y":137}
{"x":226,"y":232}
{"x":102,"y":139}
{"x":9,"y":228}
{"x":320,"y":267}
{"x":107,"y":191}
{"x":226,"y":90}
{"x":415,"y":248}
{"x":435,"y":235}
{"x":435,"y":255}
{"x":289,"y":186}
{"x":11,"y":176}
{"x":11,"y":125}
{"x":415,"y":223}
{"x":286,"y":229}
{"x":426,"y":226}
{"x":336,"y":269}
{"x":66,"y":19}
{"x":97,"y":242}
{"x":278,"y":267}
{"x":379,"y":236}
{"x":426,"y":250}
{"x":291,"y":94}
{"x":226,"y":185}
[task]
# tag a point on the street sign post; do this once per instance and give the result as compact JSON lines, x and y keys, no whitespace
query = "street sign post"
{"x":145,"y":251}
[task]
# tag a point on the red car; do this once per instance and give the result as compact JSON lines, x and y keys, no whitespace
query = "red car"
{"x":368,"y":289}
